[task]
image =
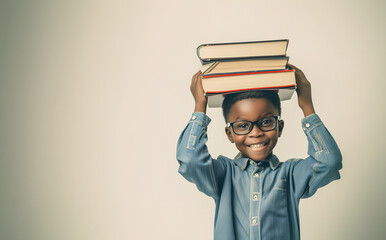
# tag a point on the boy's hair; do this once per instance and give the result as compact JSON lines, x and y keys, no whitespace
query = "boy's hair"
{"x":231,"y":99}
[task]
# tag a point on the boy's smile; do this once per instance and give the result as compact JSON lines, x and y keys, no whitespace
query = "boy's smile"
{"x":256,"y":145}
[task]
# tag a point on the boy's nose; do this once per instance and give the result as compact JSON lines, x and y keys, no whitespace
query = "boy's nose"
{"x":255,"y":132}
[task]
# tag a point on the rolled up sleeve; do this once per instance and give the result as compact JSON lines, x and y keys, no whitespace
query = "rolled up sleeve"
{"x":196,"y":164}
{"x":323,"y":163}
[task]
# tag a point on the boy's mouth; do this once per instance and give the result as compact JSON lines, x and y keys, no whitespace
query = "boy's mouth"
{"x":258,"y":146}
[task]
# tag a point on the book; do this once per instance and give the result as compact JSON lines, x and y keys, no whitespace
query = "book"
{"x":244,"y":65}
{"x":235,"y":50}
{"x":214,"y":84}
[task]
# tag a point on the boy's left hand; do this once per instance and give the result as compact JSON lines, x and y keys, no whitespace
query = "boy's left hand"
{"x":304,"y":91}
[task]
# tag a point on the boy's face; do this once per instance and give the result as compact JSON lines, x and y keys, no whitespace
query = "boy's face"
{"x":256,"y":145}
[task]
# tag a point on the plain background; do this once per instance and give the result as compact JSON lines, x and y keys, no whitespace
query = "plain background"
{"x":94,"y":95}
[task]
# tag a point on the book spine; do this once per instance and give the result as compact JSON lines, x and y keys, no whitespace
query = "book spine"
{"x":286,"y":47}
{"x":198,"y":52}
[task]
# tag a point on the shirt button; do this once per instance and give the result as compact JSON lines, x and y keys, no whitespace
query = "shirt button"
{"x":255,"y":197}
{"x":307,"y":125}
{"x":256,"y":175}
{"x":254,"y":221}
{"x":251,"y":162}
{"x":194,"y":117}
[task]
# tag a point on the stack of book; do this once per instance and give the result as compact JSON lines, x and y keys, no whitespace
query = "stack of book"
{"x":244,"y":66}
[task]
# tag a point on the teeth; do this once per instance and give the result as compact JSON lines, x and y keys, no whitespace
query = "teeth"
{"x":257,"y":145}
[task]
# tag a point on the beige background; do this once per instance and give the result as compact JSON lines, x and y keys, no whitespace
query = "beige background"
{"x":94,"y":95}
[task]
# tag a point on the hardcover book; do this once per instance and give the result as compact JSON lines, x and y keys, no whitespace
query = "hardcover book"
{"x":235,"y":50}
{"x":244,"y":65}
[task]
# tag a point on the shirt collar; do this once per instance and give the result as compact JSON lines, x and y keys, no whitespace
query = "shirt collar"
{"x":242,"y":161}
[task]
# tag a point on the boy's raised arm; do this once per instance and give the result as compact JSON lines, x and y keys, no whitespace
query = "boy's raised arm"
{"x":196,"y":164}
{"x":325,"y":160}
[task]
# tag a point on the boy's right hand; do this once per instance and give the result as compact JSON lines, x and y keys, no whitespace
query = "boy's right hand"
{"x":198,"y":93}
{"x":304,"y":91}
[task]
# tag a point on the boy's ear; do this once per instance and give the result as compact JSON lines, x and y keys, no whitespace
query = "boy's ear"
{"x":228,"y":132}
{"x":281,"y":126}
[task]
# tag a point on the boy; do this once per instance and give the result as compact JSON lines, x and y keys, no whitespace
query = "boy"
{"x":256,"y":196}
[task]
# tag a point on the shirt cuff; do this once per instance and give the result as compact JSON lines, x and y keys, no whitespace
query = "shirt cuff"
{"x":200,"y":117}
{"x":310,"y":122}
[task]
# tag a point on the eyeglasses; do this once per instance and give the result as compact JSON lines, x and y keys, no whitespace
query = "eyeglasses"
{"x":244,"y":127}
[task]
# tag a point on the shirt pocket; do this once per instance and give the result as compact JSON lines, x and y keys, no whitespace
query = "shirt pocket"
{"x":281,"y":185}
{"x":279,"y":196}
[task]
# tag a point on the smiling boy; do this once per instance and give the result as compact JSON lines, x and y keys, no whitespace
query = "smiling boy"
{"x":256,"y":195}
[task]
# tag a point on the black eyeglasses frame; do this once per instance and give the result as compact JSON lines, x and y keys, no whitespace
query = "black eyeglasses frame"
{"x":277,"y":118}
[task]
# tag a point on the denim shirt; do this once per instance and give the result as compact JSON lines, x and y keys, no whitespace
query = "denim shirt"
{"x":258,"y":200}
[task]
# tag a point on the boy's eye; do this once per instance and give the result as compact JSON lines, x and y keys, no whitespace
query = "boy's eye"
{"x":266,"y":122}
{"x":242,"y":125}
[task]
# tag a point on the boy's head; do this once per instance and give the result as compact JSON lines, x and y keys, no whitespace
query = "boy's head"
{"x":253,"y":122}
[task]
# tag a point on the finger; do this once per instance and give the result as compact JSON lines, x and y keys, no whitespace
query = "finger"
{"x":298,"y":72}
{"x":196,"y":76}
